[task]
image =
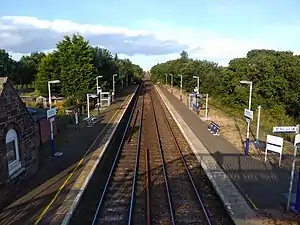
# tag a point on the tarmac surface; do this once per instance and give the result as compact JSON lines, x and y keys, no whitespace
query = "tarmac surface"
{"x":261,"y":183}
{"x":35,"y":194}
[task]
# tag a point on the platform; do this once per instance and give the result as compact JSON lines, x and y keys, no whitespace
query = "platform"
{"x":31,"y":202}
{"x":245,"y":184}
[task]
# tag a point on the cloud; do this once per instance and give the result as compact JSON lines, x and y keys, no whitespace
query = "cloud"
{"x":28,"y":34}
{"x":154,"y":42}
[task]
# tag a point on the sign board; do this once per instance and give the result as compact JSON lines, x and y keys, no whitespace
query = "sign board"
{"x":248,"y":114}
{"x":274,"y":144}
{"x":51,"y":112}
{"x":297,"y":140}
{"x":99,"y":90}
{"x":287,"y":129}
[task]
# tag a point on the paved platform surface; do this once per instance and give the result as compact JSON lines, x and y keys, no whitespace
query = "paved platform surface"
{"x":260,"y":183}
{"x":37,"y":193}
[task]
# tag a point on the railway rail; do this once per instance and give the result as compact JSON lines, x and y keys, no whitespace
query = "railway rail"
{"x":153,"y":178}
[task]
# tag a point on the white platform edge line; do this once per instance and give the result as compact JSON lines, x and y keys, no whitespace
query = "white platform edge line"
{"x":228,"y":207}
{"x":75,"y":203}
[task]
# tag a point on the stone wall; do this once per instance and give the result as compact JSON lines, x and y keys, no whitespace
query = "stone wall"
{"x":13,"y":114}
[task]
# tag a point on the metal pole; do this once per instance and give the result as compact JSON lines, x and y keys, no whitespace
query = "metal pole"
{"x":248,"y":124}
{"x":180,"y":87}
{"x":171,"y":83}
{"x":206,"y":107}
{"x":250,"y":95}
{"x":166,"y":81}
{"x":292,"y":178}
{"x":88,"y":105}
{"x":97,"y":83}
{"x":198,"y":84}
{"x":52,"y":138}
{"x":49,"y":91}
{"x":257,"y":127}
{"x":113,"y":88}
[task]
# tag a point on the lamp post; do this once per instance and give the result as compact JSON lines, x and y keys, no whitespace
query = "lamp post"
{"x":248,"y":123}
{"x":50,"y":117}
{"x":171,"y":82}
{"x":98,"y":92}
{"x":197,"y":82}
{"x":257,"y":127}
{"x":166,"y":81}
{"x":113,"y":92}
{"x":180,"y":87}
{"x":88,"y":102}
{"x":49,"y":90}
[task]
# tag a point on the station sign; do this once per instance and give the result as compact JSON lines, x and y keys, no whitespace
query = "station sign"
{"x":51,"y":112}
{"x":248,"y":114}
{"x":286,"y":129}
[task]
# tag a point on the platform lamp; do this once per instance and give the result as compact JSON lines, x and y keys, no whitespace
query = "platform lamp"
{"x":53,"y":152}
{"x":180,"y":87}
{"x":113,"y":92}
{"x":49,"y":90}
{"x":98,"y":92}
{"x":248,"y":123}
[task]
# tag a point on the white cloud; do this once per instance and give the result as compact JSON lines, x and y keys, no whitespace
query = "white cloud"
{"x":22,"y":35}
{"x":155,"y":42}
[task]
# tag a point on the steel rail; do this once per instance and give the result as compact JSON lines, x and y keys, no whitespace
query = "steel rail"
{"x":163,"y":163}
{"x":115,"y":161}
{"x":136,"y":165}
{"x":148,"y":188}
{"x":188,"y":171}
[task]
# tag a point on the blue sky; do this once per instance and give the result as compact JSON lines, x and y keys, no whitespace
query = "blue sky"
{"x":214,"y":30}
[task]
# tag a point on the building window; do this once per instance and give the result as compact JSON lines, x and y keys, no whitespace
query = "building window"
{"x":12,"y":152}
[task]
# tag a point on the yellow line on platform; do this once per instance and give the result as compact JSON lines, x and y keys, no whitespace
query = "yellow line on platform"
{"x":41,"y":216}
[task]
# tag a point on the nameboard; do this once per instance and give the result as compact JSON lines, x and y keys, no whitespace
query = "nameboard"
{"x":274,"y":144}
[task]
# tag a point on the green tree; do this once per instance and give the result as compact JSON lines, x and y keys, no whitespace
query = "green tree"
{"x":48,"y":69}
{"x":29,"y":67}
{"x":6,"y":65}
{"x":76,"y":59}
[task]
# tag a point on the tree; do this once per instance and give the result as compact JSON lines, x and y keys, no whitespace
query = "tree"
{"x":184,"y":55}
{"x":48,"y":69}
{"x":6,"y":65}
{"x":29,"y":67}
{"x":275,"y":77}
{"x":76,"y":59}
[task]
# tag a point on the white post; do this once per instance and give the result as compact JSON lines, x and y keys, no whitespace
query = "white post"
{"x":250,"y":95}
{"x":97,"y":83}
{"x":113,"y":93}
{"x":166,"y":81}
{"x":257,"y":127}
{"x":49,"y":92}
{"x":180,"y":87}
{"x":248,"y":123}
{"x":206,"y":107}
{"x":171,"y":83}
{"x":88,"y":105}
{"x":292,"y":178}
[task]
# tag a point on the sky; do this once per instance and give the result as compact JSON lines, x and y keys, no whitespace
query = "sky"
{"x":151,"y":32}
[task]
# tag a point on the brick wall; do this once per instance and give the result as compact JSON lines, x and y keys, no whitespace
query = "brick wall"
{"x":13,"y":114}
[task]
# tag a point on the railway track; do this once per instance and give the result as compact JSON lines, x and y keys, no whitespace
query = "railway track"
{"x":154,"y":178}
